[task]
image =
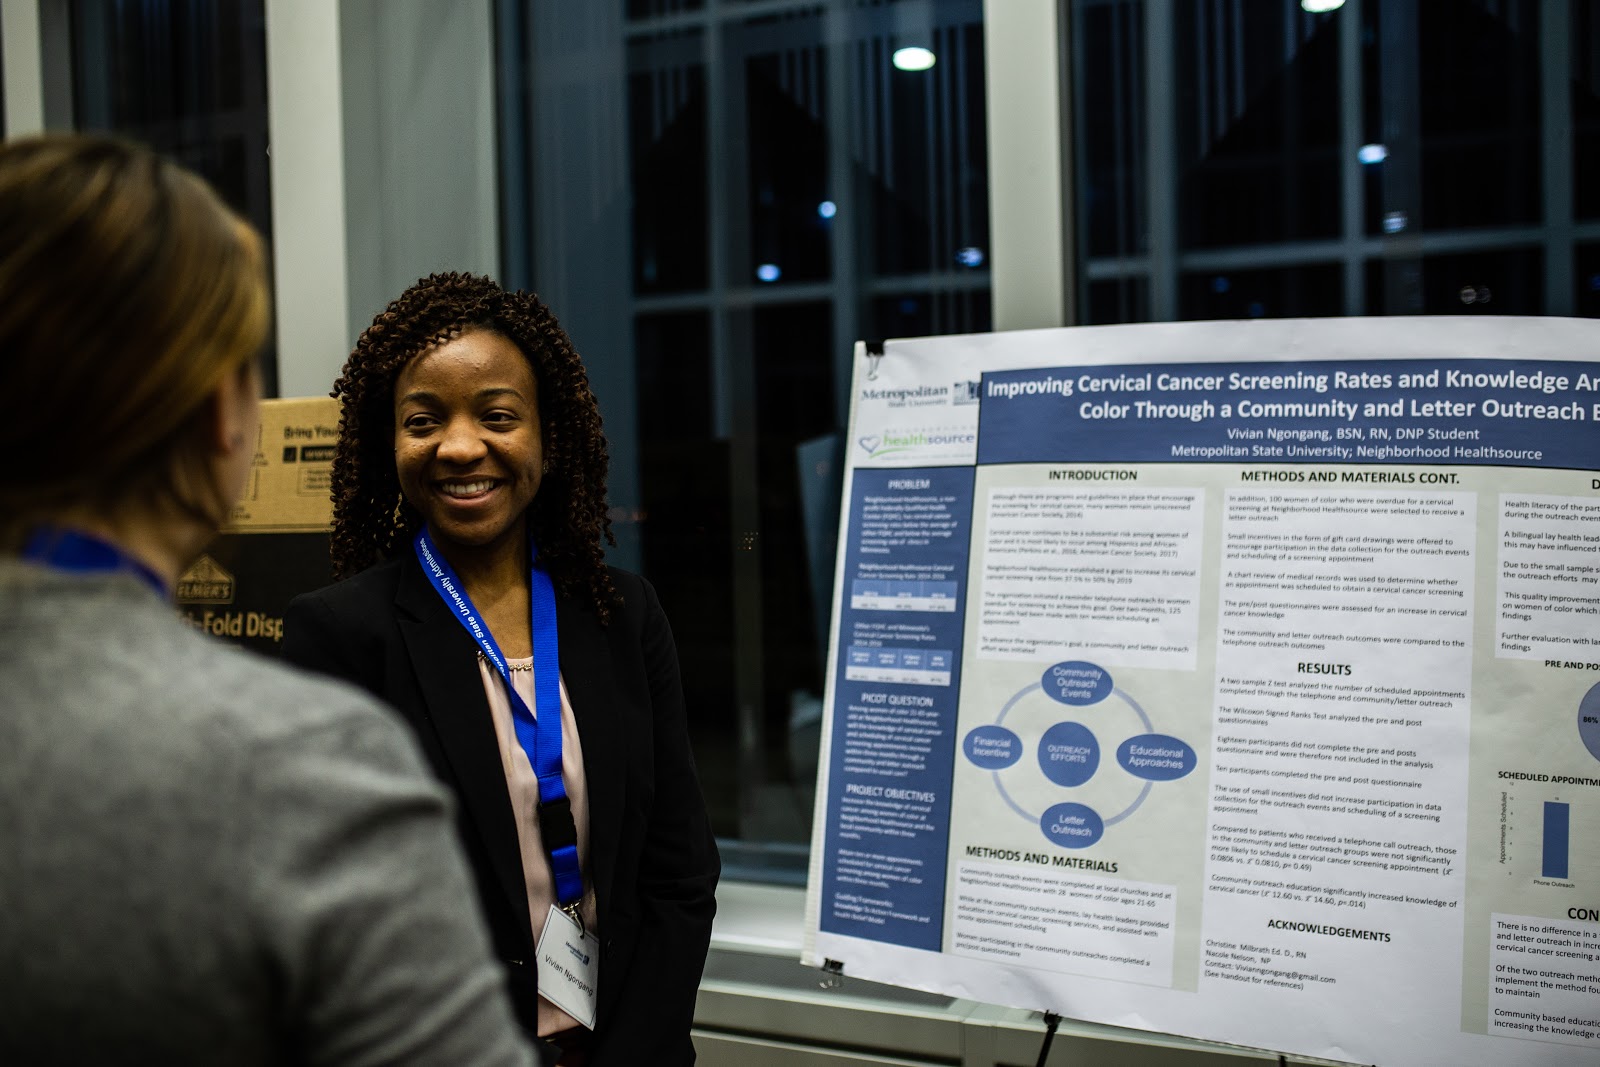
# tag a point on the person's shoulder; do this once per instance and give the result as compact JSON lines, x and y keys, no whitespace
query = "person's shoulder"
{"x":628,"y":584}
{"x":209,"y":714}
{"x":636,"y":597}
{"x":267,"y":702}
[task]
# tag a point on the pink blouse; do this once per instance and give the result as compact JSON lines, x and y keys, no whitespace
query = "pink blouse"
{"x":523,"y":786}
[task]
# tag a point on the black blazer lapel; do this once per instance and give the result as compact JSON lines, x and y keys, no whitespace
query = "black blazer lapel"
{"x":445,"y":660}
{"x":590,"y":677}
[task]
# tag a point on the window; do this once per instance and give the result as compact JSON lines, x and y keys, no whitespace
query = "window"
{"x":1421,"y":156}
{"x":188,"y":78}
{"x":719,"y":199}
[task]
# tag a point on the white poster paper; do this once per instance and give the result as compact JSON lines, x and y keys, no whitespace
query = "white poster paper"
{"x":1232,"y":680}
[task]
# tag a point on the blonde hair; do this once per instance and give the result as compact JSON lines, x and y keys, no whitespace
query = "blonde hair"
{"x":128,"y":290}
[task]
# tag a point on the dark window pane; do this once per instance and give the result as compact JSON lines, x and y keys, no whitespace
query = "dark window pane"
{"x":1502,"y":282}
{"x":189,"y":79}
{"x":644,"y":9}
{"x":667,"y":142}
{"x":1480,"y":114}
{"x":1120,"y":300}
{"x":686,"y":535}
{"x":793,"y":358}
{"x":672,"y":357}
{"x":792,"y":353}
{"x":786,"y":102}
{"x":1110,"y":118}
{"x":922,"y":148}
{"x":926,"y":314}
{"x":1587,"y":298}
{"x":1290,"y":292}
{"x":1586,"y":110}
{"x":1258,"y":123}
{"x":1270,"y":148}
{"x":1498,"y":282}
{"x":1471,"y":123}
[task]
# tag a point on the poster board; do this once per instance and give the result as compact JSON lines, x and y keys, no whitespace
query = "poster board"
{"x":275,"y":543}
{"x":1232,"y":680}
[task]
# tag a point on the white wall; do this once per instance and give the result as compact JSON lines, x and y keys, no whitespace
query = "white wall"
{"x":1029,"y":229}
{"x":24,"y":79}
{"x":383,"y":163}
{"x":419,"y":145}
{"x":306,"y":142}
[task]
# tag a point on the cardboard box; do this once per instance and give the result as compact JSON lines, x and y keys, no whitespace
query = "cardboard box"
{"x":275,"y":544}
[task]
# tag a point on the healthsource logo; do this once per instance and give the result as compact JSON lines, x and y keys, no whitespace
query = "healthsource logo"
{"x":883,"y":444}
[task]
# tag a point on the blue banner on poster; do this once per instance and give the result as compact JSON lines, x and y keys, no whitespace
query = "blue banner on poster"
{"x":1509,"y":413}
{"x":892,"y":750}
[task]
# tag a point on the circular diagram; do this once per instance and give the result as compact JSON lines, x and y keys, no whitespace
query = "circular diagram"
{"x":1589,"y":720}
{"x":1069,"y":751}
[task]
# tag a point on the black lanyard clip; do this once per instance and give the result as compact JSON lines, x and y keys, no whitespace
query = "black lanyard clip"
{"x":556,"y":825}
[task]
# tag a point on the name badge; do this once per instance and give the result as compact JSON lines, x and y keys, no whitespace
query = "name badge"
{"x":569,"y":966}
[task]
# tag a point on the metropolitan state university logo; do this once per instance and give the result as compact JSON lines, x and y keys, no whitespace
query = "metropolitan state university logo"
{"x":918,"y":396}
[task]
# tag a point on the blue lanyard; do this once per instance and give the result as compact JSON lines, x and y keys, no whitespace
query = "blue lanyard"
{"x":73,"y":550}
{"x":539,"y":736}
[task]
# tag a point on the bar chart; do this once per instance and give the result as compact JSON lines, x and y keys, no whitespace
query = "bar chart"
{"x":1557,"y":839}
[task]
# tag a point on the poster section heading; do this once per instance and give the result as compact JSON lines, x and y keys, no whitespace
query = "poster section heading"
{"x":892,"y":748}
{"x":1520,"y":413}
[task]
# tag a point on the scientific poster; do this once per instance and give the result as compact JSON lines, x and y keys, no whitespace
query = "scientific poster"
{"x":1232,"y":680}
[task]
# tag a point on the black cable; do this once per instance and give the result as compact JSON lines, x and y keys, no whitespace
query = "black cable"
{"x":1051,"y":1021}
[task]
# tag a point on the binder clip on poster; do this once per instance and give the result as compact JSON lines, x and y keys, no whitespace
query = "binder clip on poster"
{"x":874,"y":357}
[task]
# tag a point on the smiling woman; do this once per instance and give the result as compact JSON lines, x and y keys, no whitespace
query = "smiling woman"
{"x":467,"y":445}
{"x":469,"y":513}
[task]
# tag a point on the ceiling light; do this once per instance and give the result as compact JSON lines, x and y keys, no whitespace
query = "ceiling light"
{"x":914,"y":58}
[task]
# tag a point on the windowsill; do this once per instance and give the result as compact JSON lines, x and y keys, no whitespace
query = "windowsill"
{"x":769,"y":919}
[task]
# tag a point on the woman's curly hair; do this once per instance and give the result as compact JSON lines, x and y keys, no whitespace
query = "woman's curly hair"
{"x":372,"y":521}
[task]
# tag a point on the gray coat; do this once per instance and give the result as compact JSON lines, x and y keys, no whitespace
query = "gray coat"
{"x":209,"y":858}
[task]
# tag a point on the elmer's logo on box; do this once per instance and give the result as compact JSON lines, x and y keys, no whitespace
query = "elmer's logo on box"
{"x":205,"y":583}
{"x":275,"y":543}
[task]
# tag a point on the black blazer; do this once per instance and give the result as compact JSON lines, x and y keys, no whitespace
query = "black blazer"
{"x":652,"y":858}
